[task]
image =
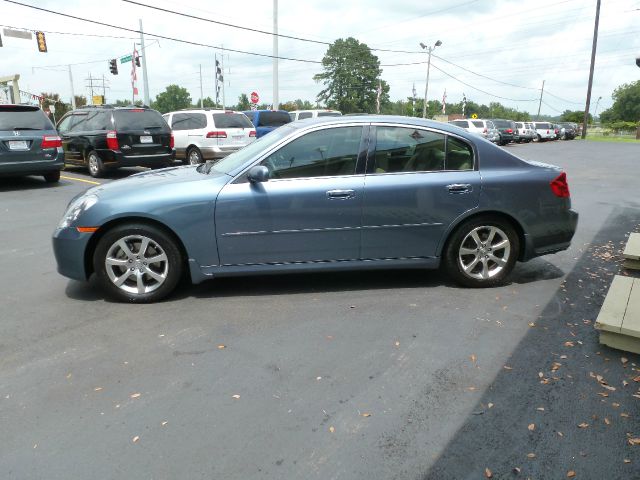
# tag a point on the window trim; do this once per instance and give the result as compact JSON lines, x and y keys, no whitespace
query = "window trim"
{"x":373,"y":140}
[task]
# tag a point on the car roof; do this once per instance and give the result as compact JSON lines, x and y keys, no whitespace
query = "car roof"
{"x":201,"y":110}
{"x":19,"y":107}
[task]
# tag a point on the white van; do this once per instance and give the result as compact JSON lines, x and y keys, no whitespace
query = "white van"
{"x":544,"y":131}
{"x":302,"y":114}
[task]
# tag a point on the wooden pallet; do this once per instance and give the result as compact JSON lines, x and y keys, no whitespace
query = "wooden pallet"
{"x":619,"y":317}
{"x":631,"y":252}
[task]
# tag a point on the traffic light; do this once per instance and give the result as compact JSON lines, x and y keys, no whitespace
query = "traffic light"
{"x":42,"y":42}
{"x":137,"y":59}
{"x":638,"y":61}
{"x":113,"y":66}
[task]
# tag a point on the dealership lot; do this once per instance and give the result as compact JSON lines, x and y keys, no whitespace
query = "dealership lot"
{"x":350,"y":375}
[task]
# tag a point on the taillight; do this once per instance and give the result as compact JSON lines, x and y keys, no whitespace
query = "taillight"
{"x":172,"y":141}
{"x":509,"y":130}
{"x":560,"y":187}
{"x":252,"y":133}
{"x":51,"y":141}
{"x":218,"y":134}
{"x":484,"y":131}
{"x":547,"y":131}
{"x":112,"y":140}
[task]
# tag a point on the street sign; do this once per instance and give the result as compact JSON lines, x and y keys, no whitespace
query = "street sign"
{"x":52,"y":108}
{"x":254,"y":97}
{"x":10,"y":32}
{"x":126,"y":58}
{"x":475,"y":115}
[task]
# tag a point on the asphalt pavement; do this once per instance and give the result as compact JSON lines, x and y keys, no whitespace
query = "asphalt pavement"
{"x":389,"y":375}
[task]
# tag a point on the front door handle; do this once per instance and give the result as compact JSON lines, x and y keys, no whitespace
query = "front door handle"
{"x":341,"y":194}
{"x":460,"y":188}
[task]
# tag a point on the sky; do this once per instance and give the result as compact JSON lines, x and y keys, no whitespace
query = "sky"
{"x":498,"y":50}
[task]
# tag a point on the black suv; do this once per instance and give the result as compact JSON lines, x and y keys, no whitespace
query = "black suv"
{"x":29,"y":143}
{"x":105,"y":137}
{"x":507,"y":130}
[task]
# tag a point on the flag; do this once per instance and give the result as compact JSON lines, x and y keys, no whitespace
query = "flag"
{"x":464,"y":103}
{"x":134,"y":75}
{"x":379,"y":94}
{"x":444,"y":102}
{"x":413,"y":99}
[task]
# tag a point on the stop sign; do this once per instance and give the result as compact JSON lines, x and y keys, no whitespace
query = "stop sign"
{"x":254,"y":97}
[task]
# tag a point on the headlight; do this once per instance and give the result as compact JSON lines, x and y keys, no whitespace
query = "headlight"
{"x":75,"y":208}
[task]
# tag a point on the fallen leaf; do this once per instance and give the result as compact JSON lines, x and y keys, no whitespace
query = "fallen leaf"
{"x":220,"y":347}
{"x":540,"y":374}
{"x":571,"y":474}
{"x":473,"y":357}
{"x":329,"y":337}
{"x":583,"y":425}
{"x":397,"y":344}
{"x":532,"y":427}
{"x":507,"y":367}
{"x":366,"y":414}
{"x":97,"y":389}
{"x":634,"y":441}
{"x":331,"y":429}
{"x":626,"y":460}
{"x":69,"y":376}
{"x":603,"y":394}
{"x":607,"y":421}
{"x":164,"y":423}
{"x":531,"y":324}
{"x":134,"y":395}
{"x":623,"y":360}
{"x":600,"y":378}
{"x":560,"y":434}
{"x":488,"y":473}
{"x":568,"y":344}
{"x":236,"y":396}
{"x":471,"y":389}
{"x":609,"y":387}
{"x":135,"y":439}
{"x":318,"y":378}
{"x":624,"y":415}
{"x":490,"y":405}
{"x":615,"y":405}
{"x":563,"y":357}
{"x":516,"y":470}
{"x":540,"y":409}
{"x":531,"y":455}
{"x":625,"y":383}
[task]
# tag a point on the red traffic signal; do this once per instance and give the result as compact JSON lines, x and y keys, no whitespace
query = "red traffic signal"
{"x":42,"y":42}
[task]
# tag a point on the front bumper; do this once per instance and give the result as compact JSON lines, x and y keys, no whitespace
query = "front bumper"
{"x":69,"y":248}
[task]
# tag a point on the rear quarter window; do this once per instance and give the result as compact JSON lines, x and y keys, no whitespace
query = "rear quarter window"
{"x":273,"y":119}
{"x":138,"y":119}
{"x":231,"y":120}
{"x":478,"y":124}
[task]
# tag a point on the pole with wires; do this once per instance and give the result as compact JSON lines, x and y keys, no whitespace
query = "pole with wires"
{"x":144,"y":67}
{"x":73,"y":95}
{"x":593,"y":62}
{"x":540,"y":104}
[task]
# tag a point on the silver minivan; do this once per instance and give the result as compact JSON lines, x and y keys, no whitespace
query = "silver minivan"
{"x":207,"y":134}
{"x":484,"y":128}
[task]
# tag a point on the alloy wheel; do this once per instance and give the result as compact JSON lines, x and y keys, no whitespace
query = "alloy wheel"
{"x":484,"y":252}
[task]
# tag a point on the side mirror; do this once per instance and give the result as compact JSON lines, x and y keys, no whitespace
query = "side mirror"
{"x":257,"y":174}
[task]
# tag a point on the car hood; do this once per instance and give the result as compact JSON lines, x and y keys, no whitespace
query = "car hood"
{"x":165,"y":181}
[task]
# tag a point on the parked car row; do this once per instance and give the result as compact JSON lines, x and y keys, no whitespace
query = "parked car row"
{"x":502,"y":131}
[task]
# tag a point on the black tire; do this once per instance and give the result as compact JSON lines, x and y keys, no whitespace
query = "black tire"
{"x":495,"y":264}
{"x":52,"y":177}
{"x":95,"y":164}
{"x":145,"y":281}
{"x":194,"y":156}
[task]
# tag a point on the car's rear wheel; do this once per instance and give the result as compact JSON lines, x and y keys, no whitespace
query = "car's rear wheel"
{"x":138,"y":263}
{"x":95,"y":165}
{"x":194,"y":156}
{"x":52,"y":177}
{"x":482,"y":252}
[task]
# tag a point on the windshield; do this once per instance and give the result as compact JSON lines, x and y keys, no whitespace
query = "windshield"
{"x":247,"y":154}
{"x":24,"y":118}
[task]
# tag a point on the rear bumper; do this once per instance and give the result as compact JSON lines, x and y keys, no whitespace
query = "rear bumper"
{"x":557,"y":239}
{"x":37,"y":166}
{"x":118,"y":159}
{"x":69,"y":247}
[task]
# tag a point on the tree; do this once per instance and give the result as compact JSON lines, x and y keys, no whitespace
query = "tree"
{"x":243,"y":103}
{"x":576,"y":116}
{"x":81,"y":100}
{"x":51,"y":98}
{"x":173,"y":98}
{"x":626,"y":104}
{"x":351,"y":75}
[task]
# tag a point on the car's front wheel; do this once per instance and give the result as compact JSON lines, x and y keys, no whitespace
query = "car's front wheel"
{"x":138,"y":263}
{"x":481,"y":252}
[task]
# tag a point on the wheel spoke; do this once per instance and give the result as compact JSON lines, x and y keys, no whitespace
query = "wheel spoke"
{"x":500,"y":245}
{"x":120,"y":280}
{"x":117,"y":262}
{"x":476,"y":238}
{"x":470,"y":266}
{"x":140,"y":281}
{"x":143,"y":246}
{"x":468,"y":251}
{"x":485,"y":268}
{"x":492,"y":233}
{"x":500,"y":261}
{"x":157,"y":259}
{"x":156,"y":276}
{"x":125,"y":248}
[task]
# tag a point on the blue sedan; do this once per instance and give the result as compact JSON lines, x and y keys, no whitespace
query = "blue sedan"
{"x":335,"y":193}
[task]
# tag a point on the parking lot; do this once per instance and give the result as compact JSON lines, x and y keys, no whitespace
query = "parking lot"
{"x":396,"y":374}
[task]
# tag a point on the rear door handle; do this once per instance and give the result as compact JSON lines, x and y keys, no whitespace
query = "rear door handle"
{"x":460,"y":188}
{"x":341,"y":194}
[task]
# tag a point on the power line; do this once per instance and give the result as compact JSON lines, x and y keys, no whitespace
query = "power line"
{"x":70,"y":33}
{"x":173,"y":39}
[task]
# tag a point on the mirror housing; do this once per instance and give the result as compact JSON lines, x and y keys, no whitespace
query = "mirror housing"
{"x":257,"y":174}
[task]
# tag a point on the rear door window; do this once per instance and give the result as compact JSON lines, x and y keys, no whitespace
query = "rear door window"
{"x":329,"y":114}
{"x":231,"y":120}
{"x":273,"y":119}
{"x":460,"y":123}
{"x":79,"y":122}
{"x":478,"y":124}
{"x":20,"y":117}
{"x":459,"y":155}
{"x":303,"y":115}
{"x":138,"y":119}
{"x":401,"y":149}
{"x":98,"y":120}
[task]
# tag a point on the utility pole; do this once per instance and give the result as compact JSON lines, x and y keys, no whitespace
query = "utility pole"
{"x":222,"y":67}
{"x":593,"y":62}
{"x":104,"y":94}
{"x":540,"y":104}
{"x":144,"y":67}
{"x":276,"y":102}
{"x":201,"y":101}
{"x":426,"y":86}
{"x":73,"y":95}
